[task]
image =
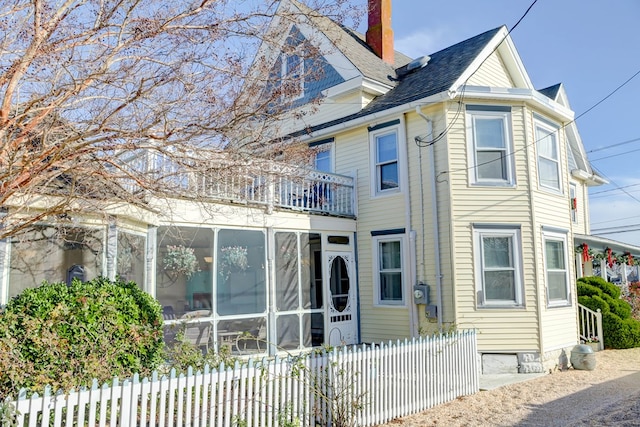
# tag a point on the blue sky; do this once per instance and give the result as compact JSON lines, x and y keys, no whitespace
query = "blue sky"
{"x":592,"y":47}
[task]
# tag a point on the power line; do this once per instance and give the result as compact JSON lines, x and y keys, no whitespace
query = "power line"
{"x":616,"y":185}
{"x":613,"y":220}
{"x":615,"y":189}
{"x":616,"y":232}
{"x":512,"y":153}
{"x":616,"y":155}
{"x":613,"y":145}
{"x":419,"y":140}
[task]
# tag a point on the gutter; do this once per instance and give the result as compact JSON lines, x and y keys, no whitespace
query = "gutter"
{"x":591,"y":179}
{"x":478,"y":92}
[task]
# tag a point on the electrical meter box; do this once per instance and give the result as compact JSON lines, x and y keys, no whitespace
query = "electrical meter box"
{"x":421,"y":293}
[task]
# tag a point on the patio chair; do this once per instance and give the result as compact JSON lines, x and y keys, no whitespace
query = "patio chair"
{"x":197,"y":333}
{"x":250,"y":339}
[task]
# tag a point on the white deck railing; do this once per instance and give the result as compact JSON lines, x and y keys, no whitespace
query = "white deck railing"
{"x":368,"y":384}
{"x":590,"y":325}
{"x":258,"y":182}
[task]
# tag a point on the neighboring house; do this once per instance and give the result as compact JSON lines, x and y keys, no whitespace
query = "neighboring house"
{"x":447,"y":193}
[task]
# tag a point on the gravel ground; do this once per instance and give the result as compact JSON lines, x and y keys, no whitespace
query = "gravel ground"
{"x":607,"y":396}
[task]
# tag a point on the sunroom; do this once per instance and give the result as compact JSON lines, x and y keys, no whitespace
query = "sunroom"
{"x":257,"y":276}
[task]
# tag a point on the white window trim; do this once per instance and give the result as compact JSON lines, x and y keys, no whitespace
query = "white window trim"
{"x":555,"y":132}
{"x":573,"y":194}
{"x":404,"y":253}
{"x":401,"y":160}
{"x":329,"y":146}
{"x":515,"y":234}
{"x":472,"y":150}
{"x":550,"y":235}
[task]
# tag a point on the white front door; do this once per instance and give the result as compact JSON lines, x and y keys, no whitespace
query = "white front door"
{"x":342,"y":301}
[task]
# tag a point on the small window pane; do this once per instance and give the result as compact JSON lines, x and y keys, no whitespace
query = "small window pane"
{"x":549,"y":173}
{"x":555,"y":255}
{"x":492,"y":165}
{"x":323,"y":161}
{"x":499,"y":285}
{"x":287,"y":291}
{"x":547,"y":146}
{"x":557,"y":285}
{"x":391,"y":286}
{"x":389,"y":176}
{"x":389,"y":255}
{"x":241,"y":287}
{"x":386,"y":148}
{"x":489,"y":133}
{"x":497,"y":252}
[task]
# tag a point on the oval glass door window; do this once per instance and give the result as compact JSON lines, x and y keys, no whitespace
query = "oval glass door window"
{"x":339,"y":284}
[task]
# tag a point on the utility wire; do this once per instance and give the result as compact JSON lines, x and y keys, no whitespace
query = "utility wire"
{"x":420,"y":140}
{"x":512,"y":153}
{"x":614,"y":189}
{"x":613,"y":145}
{"x":615,"y":155}
{"x":613,"y":220}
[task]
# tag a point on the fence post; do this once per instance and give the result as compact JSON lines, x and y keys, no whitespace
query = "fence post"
{"x":600,"y":332}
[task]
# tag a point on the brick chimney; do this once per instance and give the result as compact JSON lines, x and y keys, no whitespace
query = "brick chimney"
{"x":380,"y":34}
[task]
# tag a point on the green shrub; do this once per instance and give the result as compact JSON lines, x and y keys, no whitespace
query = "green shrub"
{"x":608,"y":288}
{"x":619,"y":328}
{"x":620,"y":307}
{"x":587,"y":290}
{"x":594,"y":303}
{"x":617,"y":333}
{"x":65,"y":336}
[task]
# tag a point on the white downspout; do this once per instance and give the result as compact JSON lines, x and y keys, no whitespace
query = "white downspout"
{"x":434,"y":213}
{"x":414,"y":318}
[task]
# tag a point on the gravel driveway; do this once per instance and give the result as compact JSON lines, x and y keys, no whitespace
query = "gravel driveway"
{"x":606,"y":396}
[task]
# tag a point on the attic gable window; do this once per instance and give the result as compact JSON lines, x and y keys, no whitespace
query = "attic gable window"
{"x":292,"y":75}
{"x":490,"y":148}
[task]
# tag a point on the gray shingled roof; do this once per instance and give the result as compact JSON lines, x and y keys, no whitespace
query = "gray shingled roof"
{"x":551,"y":91}
{"x":354,"y":47}
{"x":443,"y":69}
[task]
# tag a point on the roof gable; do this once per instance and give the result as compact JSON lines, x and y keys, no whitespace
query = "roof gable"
{"x":353,"y":46}
{"x":317,"y":74}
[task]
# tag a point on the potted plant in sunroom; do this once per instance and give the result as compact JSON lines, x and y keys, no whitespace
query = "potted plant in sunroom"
{"x":180,"y":260}
{"x":233,"y":259}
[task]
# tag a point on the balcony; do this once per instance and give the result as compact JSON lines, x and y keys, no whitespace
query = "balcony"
{"x":257,"y":182}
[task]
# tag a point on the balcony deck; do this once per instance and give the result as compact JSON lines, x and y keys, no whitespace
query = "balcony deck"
{"x":259,"y":183}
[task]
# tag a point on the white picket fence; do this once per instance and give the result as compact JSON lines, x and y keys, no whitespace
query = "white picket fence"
{"x":364,"y":385}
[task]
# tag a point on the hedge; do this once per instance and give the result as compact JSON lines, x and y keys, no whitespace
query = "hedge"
{"x":619,"y":329}
{"x":65,"y":336}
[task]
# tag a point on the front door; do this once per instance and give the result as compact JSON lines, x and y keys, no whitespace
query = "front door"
{"x":342,"y":308}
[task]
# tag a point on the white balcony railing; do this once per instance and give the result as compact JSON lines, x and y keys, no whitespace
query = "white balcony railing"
{"x":257,"y":182}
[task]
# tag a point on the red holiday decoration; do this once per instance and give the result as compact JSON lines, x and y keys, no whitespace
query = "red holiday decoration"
{"x":609,"y":257}
{"x":574,"y":203}
{"x":585,"y":253}
{"x":629,"y":258}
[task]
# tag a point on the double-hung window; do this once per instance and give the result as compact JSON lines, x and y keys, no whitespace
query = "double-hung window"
{"x":386,"y":156}
{"x":386,"y":151}
{"x":556,"y":268}
{"x":498,"y":267}
{"x":490,"y":156}
{"x":389,"y":274}
{"x":548,"y":156}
